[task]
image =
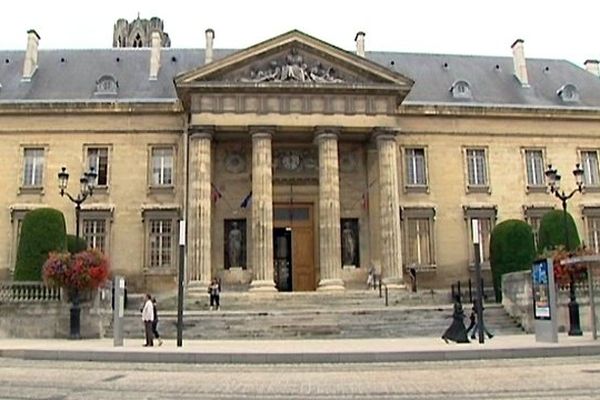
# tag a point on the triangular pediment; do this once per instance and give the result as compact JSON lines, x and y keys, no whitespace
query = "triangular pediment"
{"x":294,"y":59}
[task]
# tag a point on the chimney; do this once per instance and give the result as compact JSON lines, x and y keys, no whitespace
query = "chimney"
{"x":519,"y":62}
{"x":593,"y":67}
{"x":208,"y":52}
{"x":155,"y":56}
{"x":360,"y":43}
{"x":31,"y":55}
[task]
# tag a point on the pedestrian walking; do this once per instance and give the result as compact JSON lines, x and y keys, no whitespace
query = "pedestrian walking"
{"x":155,"y":323}
{"x":214,"y":290}
{"x":148,"y":319}
{"x":457,"y":332}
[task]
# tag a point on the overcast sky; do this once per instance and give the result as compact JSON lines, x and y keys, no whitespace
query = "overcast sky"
{"x":551,"y":28}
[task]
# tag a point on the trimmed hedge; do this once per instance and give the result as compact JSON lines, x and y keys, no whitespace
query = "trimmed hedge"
{"x":43,"y":231}
{"x":552,"y":232}
{"x":511,"y":249}
{"x":76,"y":244}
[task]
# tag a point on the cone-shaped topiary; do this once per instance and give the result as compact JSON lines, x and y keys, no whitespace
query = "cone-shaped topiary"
{"x":76,"y":244}
{"x":552,"y":232}
{"x":511,"y":249}
{"x":43,"y":231}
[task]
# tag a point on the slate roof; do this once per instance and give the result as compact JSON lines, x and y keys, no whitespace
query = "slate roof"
{"x":71,"y":75}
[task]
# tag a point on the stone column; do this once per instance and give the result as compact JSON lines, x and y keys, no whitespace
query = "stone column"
{"x":262,"y":211}
{"x":389,"y":200}
{"x":199,"y":212}
{"x":329,"y":211}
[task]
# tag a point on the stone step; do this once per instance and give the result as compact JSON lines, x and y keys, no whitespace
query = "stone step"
{"x":317,"y":323}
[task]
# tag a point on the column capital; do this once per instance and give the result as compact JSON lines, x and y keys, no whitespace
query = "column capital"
{"x":265,"y":131}
{"x":326,"y":132}
{"x":201,"y":131}
{"x":384,"y":133}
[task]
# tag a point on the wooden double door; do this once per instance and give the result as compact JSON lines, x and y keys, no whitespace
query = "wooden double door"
{"x":293,"y":247}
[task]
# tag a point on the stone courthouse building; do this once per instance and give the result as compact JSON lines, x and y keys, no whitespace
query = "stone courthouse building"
{"x":297,"y":165}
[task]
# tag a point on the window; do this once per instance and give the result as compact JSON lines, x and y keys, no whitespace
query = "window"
{"x":95,"y":228}
{"x":486,"y":218}
{"x":33,"y":171}
{"x":461,"y":90}
{"x":533,"y":216}
{"x":137,"y":41}
{"x":98,"y":160}
{"x":592,"y":222}
{"x":416,"y":173}
{"x":534,"y":164}
{"x":106,"y":85}
{"x":418,"y":250}
{"x":162,"y":166}
{"x":476,"y":169}
{"x":589,"y":163}
{"x":568,"y":93}
{"x":161,"y":239}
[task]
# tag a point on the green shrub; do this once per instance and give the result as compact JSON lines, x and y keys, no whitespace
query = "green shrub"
{"x":76,"y":244}
{"x":42,"y":232}
{"x":552,"y":232}
{"x":511,"y":249}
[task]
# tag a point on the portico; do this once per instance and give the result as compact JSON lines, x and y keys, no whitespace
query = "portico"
{"x":279,"y":138}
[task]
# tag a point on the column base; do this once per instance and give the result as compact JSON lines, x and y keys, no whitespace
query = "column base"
{"x":330,"y":285}
{"x":197,"y":288}
{"x":262,"y":286}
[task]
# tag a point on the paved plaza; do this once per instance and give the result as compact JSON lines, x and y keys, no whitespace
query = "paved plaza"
{"x":532,"y":378}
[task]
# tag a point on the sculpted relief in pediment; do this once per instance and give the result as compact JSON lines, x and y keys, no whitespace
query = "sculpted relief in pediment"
{"x":292,"y":67}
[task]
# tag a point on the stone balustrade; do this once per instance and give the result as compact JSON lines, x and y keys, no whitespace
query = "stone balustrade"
{"x":28,"y":292}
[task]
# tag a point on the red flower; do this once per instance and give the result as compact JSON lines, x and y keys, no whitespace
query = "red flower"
{"x":85,"y":270}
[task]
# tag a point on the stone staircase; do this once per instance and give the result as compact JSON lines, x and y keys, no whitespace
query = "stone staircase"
{"x":314,"y":315}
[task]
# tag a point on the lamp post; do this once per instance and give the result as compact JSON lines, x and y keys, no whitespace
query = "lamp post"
{"x":554,"y":184}
{"x":86,"y":189}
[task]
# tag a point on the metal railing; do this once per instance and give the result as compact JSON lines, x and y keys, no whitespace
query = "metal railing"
{"x":28,"y":292}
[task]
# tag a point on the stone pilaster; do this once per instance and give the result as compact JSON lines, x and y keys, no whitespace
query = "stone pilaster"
{"x":199,"y":212}
{"x":390,"y":245}
{"x":262,"y":210}
{"x":329,"y":211}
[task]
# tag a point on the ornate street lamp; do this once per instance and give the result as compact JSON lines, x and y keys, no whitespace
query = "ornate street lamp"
{"x":554,"y":184}
{"x":87,"y":182}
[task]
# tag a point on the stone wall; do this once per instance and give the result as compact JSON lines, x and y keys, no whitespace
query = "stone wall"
{"x":50,"y":320}
{"x":517,"y":300}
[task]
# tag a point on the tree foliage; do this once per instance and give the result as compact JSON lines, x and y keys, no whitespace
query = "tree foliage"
{"x":43,"y":231}
{"x":76,"y":244}
{"x":552,"y":232}
{"x":511,"y":249}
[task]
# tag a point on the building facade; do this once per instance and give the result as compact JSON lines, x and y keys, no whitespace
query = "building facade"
{"x":297,"y":165}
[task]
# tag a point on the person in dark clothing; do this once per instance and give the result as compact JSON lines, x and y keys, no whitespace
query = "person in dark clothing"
{"x":457,"y":332}
{"x":214,"y":291}
{"x":155,"y":323}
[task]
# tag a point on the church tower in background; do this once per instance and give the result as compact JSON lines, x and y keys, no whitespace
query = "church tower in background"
{"x":138,"y":33}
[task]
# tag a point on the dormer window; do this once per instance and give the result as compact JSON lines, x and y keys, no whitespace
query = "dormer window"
{"x":568,"y":93}
{"x":106,"y":85}
{"x":461,"y":90}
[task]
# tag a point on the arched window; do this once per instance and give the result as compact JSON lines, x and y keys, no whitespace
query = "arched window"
{"x":137,"y":41}
{"x":568,"y":93}
{"x":106,"y":85}
{"x":461,"y":90}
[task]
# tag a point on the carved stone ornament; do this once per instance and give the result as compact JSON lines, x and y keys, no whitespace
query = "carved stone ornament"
{"x":293,"y":68}
{"x":235,"y":162}
{"x":295,"y":161}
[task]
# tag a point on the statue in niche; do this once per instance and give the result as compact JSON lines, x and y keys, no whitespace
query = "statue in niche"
{"x":234,"y":246}
{"x":348,"y":244}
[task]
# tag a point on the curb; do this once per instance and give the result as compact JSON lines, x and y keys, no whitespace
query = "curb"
{"x":191,"y":357}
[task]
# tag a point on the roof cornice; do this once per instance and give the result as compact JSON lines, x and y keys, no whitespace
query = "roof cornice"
{"x":496,"y":110}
